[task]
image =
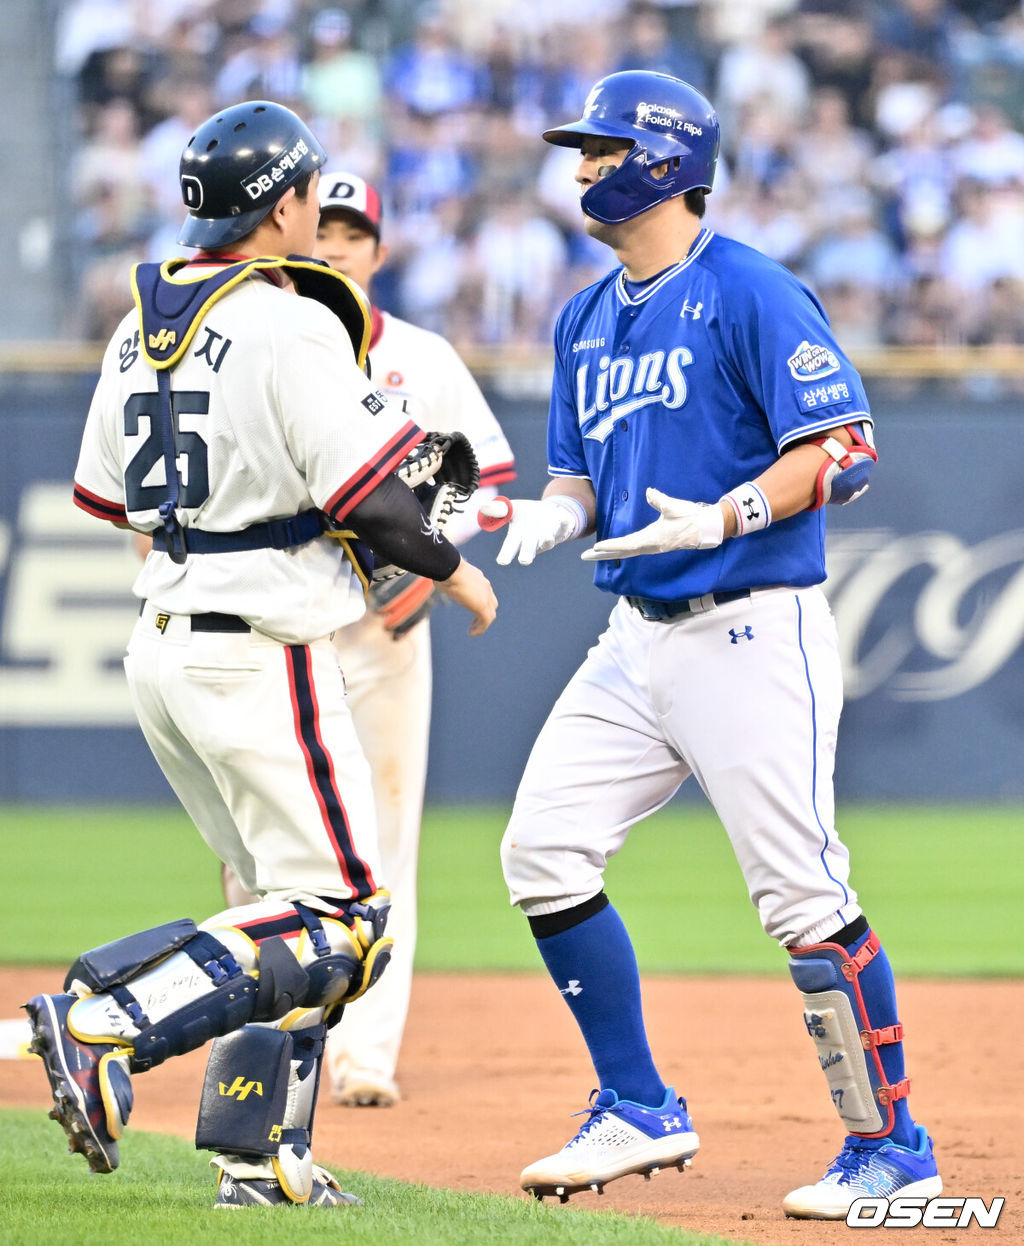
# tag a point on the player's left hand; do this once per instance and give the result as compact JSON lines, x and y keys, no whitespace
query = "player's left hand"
{"x":402,"y":601}
{"x":680,"y":525}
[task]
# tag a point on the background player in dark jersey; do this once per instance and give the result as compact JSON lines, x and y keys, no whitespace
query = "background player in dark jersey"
{"x":701,"y":416}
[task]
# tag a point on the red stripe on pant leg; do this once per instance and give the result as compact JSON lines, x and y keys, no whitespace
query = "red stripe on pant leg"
{"x":320,"y":768}
{"x":295,"y":654}
{"x":351,"y":856}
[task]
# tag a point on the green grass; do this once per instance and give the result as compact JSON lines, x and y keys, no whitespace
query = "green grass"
{"x":941,"y":885}
{"x":162,"y":1196}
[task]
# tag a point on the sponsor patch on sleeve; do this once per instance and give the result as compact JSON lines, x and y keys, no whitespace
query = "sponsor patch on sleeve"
{"x":375,"y":402}
{"x":812,"y":363}
{"x":823,"y":395}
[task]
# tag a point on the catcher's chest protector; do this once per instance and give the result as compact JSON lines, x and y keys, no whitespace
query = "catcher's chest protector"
{"x":172,"y":303}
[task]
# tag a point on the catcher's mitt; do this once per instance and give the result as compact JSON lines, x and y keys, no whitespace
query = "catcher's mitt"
{"x":443,"y":473}
{"x":402,"y":601}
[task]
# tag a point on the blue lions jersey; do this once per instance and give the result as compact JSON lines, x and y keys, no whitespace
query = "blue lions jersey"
{"x":694,"y":386}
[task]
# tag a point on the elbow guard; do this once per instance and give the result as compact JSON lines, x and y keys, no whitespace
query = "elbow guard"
{"x":844,"y":474}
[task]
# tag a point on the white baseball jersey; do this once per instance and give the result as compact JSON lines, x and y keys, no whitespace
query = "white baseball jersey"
{"x":299,"y":428}
{"x":272,"y":417}
{"x":389,"y":687}
{"x":424,"y":377}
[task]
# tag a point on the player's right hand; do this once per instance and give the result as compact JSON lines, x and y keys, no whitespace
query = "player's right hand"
{"x":468,"y":587}
{"x":535,"y":525}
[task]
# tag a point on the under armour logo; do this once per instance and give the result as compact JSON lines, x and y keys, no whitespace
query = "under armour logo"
{"x":573,"y":988}
{"x":749,"y":504}
{"x":689,"y":310}
{"x":672,"y":1123}
{"x":746,"y":634}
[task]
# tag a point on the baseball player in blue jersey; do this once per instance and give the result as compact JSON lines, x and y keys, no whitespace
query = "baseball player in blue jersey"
{"x":702,"y":415}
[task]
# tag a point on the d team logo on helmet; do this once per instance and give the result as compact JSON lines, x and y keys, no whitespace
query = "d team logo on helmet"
{"x":275,"y":171}
{"x":236,"y":166}
{"x":192,"y":192}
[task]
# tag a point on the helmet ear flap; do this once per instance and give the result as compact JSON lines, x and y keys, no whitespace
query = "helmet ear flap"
{"x":638,"y":184}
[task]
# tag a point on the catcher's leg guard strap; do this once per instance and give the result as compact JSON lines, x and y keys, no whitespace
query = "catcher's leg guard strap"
{"x":173,"y":988}
{"x":864,"y":1088}
{"x":258,"y":1102}
{"x":349,"y":956}
{"x":183,"y":995}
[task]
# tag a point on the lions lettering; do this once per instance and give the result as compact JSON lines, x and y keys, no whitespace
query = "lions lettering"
{"x":624,"y":385}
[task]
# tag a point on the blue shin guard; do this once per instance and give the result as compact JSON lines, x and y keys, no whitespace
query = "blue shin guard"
{"x":850,"y":1013}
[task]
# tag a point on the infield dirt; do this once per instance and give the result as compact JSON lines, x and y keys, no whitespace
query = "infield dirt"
{"x":492,"y":1069}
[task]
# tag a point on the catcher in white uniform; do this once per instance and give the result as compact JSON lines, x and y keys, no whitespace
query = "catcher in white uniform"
{"x":386,"y":655}
{"x":234,"y":420}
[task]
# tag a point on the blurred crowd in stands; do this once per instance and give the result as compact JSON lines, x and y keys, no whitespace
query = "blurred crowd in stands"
{"x":875,"y":147}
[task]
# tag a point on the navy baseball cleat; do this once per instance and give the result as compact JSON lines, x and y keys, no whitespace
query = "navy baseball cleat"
{"x":868,"y":1168}
{"x":91,"y":1085}
{"x":261,"y":1192}
{"x":619,"y":1138}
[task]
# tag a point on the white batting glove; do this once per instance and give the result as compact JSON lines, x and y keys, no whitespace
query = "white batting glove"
{"x":680,"y":525}
{"x":535,"y":526}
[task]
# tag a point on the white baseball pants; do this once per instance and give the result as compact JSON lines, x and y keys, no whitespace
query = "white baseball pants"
{"x":389,"y":690}
{"x":258,"y":743}
{"x":746,"y":697}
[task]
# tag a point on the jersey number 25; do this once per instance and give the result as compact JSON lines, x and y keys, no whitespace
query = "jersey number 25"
{"x":190,"y":450}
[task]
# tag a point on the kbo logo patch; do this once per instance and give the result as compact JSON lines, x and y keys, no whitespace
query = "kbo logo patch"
{"x":811,"y":363}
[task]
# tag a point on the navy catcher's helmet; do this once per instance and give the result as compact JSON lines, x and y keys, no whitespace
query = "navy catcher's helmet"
{"x":237,"y":165}
{"x":666,"y":119}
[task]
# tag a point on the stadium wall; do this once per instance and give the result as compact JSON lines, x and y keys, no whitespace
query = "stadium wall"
{"x":926,"y":581}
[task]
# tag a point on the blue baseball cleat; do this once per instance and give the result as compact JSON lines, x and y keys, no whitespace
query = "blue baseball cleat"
{"x":868,"y":1168}
{"x":91,"y":1084}
{"x":619,"y":1138}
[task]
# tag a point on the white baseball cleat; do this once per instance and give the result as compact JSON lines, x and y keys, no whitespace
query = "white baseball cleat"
{"x":868,"y":1168}
{"x":619,"y":1138}
{"x":365,"y":1088}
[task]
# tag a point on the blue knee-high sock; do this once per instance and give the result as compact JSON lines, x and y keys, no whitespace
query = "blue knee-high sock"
{"x":594,"y":966}
{"x":878,"y":990}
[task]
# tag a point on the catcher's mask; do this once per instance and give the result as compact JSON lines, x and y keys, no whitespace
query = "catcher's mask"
{"x":668,"y":122}
{"x":237,"y":165}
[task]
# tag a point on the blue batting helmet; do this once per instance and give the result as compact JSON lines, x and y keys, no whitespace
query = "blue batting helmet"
{"x":237,"y":165}
{"x":666,"y":120}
